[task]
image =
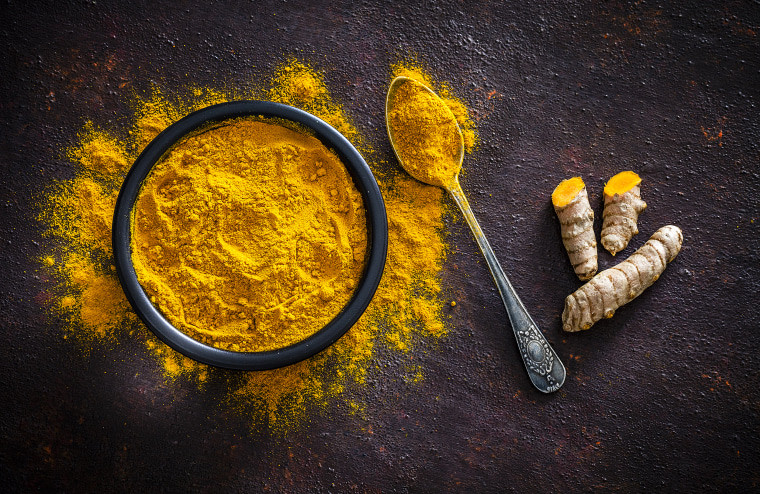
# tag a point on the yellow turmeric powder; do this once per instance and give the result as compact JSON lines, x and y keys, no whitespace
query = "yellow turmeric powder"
{"x":413,"y":70}
{"x":407,"y":306}
{"x":423,"y":133}
{"x":296,"y":84}
{"x":78,"y":214}
{"x":250,"y":236}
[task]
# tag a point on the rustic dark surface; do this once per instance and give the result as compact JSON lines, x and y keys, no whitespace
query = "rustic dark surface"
{"x":664,"y":395}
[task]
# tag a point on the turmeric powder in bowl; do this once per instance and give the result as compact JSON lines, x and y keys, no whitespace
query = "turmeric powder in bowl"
{"x":250,"y":237}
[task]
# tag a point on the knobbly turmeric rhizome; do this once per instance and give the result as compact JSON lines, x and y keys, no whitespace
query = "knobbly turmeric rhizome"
{"x":250,"y":235}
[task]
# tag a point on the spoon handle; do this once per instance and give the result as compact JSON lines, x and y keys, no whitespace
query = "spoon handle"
{"x":544,"y":368}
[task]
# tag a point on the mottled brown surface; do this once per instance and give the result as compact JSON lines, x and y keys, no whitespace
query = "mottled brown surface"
{"x":663,"y":395}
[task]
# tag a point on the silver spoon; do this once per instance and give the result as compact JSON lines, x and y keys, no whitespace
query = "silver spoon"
{"x":544,"y":368}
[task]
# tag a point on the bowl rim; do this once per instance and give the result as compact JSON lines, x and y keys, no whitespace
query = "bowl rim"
{"x":377,"y":237}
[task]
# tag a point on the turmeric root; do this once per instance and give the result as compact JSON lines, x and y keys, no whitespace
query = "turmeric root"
{"x":622,"y":206}
{"x":618,"y":285}
{"x":576,"y":219}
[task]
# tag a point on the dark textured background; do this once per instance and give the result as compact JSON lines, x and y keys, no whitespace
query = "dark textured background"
{"x":665,"y":394}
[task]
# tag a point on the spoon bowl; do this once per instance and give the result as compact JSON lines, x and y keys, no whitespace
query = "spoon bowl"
{"x":441,"y":167}
{"x":421,"y":158}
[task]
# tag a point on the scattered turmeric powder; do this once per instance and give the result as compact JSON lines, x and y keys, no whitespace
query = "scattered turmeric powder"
{"x":576,"y":220}
{"x":297,"y":84}
{"x":78,"y":214}
{"x":250,"y":236}
{"x":622,"y":206}
{"x":615,"y":287}
{"x":407,"y":304}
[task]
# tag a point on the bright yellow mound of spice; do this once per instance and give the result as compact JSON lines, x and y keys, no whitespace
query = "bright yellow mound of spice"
{"x":250,"y":236}
{"x":425,"y":134}
{"x":413,"y":70}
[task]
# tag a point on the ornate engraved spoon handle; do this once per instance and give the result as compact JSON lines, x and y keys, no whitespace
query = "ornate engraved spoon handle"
{"x":544,"y":368}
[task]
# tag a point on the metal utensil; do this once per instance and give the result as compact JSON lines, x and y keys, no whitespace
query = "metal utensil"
{"x":544,"y":368}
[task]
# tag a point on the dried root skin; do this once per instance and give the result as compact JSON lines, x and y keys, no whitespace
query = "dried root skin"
{"x":576,"y":220}
{"x":622,"y":206}
{"x":614,"y":287}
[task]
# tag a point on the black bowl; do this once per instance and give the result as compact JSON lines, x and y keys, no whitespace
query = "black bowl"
{"x":377,"y":238}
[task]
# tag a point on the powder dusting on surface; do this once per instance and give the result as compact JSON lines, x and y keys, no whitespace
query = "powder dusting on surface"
{"x":85,"y":291}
